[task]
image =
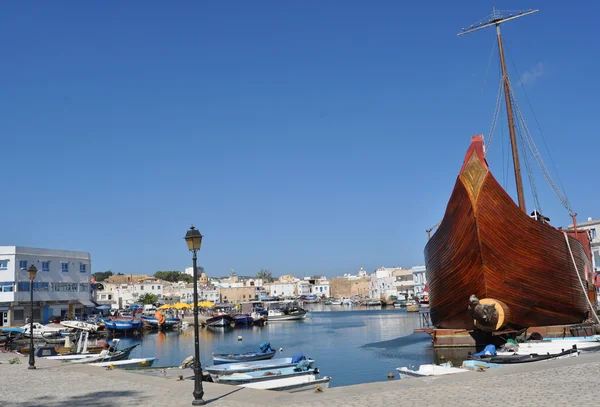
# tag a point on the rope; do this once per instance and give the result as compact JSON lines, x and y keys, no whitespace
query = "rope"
{"x":580,"y":280}
{"x":495,"y":119}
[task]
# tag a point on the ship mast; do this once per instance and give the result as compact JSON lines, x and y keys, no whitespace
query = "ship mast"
{"x":495,"y":19}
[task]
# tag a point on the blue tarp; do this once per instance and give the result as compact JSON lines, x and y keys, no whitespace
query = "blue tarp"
{"x":489,"y":350}
{"x":298,"y":357}
{"x":265,"y":347}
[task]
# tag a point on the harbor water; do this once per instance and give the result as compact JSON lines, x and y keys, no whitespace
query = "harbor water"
{"x":352,"y":345}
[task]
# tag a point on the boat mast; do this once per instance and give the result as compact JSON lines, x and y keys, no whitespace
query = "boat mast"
{"x":495,"y":19}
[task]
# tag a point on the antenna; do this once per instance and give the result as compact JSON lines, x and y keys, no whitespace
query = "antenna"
{"x":495,"y":19}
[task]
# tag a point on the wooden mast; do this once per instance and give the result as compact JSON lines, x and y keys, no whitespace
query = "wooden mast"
{"x":511,"y":124}
{"x":495,"y":19}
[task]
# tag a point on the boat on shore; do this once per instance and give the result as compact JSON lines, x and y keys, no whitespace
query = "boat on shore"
{"x":526,"y":358}
{"x":43,"y":331}
{"x":80,"y":325}
{"x":429,"y":370}
{"x":123,"y":364}
{"x":243,"y":367}
{"x":512,"y":269}
{"x":262,"y":375}
{"x":292,"y":384}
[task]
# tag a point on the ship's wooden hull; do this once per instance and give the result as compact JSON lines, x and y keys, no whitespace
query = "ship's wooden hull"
{"x":487,"y":247}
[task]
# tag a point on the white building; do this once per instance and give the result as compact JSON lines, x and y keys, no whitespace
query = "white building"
{"x":420,"y":279}
{"x":61,"y":286}
{"x":121,"y":295}
{"x":388,"y":281}
{"x":278,"y":289}
{"x":362,"y":273}
{"x":320,"y":288}
{"x":593,"y":226}
{"x":303,"y":287}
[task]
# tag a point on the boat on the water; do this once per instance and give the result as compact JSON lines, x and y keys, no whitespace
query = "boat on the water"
{"x":230,"y":368}
{"x":271,"y":374}
{"x":162,"y":324}
{"x":511,"y":268}
{"x":122,"y":325}
{"x":373,"y":302}
{"x":220,"y":321}
{"x":292,"y":384}
{"x":291,"y":314}
{"x":243,"y":319}
{"x":311,"y":299}
{"x":265,"y":352}
{"x":429,"y":370}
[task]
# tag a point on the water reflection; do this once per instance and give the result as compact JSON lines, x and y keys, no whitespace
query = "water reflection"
{"x":352,"y":346}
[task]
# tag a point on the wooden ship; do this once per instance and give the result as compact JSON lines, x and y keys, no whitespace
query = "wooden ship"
{"x":492,"y":266}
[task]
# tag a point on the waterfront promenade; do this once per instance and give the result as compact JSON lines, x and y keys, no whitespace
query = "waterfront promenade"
{"x":563,"y":382}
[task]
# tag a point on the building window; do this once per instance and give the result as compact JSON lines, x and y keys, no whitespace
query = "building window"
{"x":7,"y":287}
{"x":3,"y":264}
{"x":64,"y":287}
{"x":102,"y":296}
{"x":84,"y":287}
{"x":110,"y":296}
{"x":82,"y":268}
{"x":593,"y":233}
{"x":158,"y":287}
{"x":41,"y":287}
{"x":45,"y":266}
{"x":23,"y":286}
{"x":18,"y":315}
{"x":152,"y":287}
{"x":142,"y":287}
{"x":23,"y":264}
{"x":65,"y":267}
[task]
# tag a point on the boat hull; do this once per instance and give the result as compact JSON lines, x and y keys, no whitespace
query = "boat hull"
{"x":243,"y":367}
{"x":487,"y":247}
{"x":241,"y":357}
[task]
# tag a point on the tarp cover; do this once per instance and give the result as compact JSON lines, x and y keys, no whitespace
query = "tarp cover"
{"x":489,"y":350}
{"x":298,"y":357}
{"x":265,"y":347}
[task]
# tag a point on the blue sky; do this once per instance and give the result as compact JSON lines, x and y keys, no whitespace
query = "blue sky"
{"x":304,"y":137}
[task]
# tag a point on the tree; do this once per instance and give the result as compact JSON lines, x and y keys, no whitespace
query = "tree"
{"x":265,"y":275}
{"x":148,"y":298}
{"x":102,"y":275}
{"x":174,"y":276}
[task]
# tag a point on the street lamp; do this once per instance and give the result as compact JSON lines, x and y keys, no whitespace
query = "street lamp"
{"x":193,"y":239}
{"x":31,"y":272}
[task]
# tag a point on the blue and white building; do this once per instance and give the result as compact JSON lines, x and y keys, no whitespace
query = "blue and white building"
{"x":419,"y":278}
{"x":61,"y":287}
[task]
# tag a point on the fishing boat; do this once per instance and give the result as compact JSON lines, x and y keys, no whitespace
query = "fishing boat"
{"x":373,"y":302}
{"x":42,"y":331}
{"x":546,"y":347}
{"x":271,"y":374}
{"x":122,"y":325}
{"x":260,"y":316}
{"x":231,"y":368}
{"x":220,"y":321}
{"x":400,"y":304}
{"x":112,"y":355}
{"x":165,"y":324}
{"x":311,"y":299}
{"x":82,"y":325}
{"x":526,"y":358}
{"x":429,"y":370}
{"x":511,"y":269}
{"x":291,"y":314}
{"x":243,"y":319}
{"x":129,"y":363}
{"x":335,"y":301}
{"x":292,"y":384}
{"x":265,"y":352}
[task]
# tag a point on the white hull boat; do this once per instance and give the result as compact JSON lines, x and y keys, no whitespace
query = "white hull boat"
{"x":129,"y":363}
{"x":278,"y":315}
{"x":86,"y":326}
{"x":42,"y":332}
{"x":291,"y":384}
{"x":429,"y":370}
{"x":336,"y":302}
{"x":231,"y":368}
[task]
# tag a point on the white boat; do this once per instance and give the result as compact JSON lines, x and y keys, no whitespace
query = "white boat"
{"x":291,"y":384}
{"x":347,"y":301}
{"x":86,"y":326}
{"x":593,"y":338}
{"x":549,"y":347}
{"x":231,"y":368}
{"x":41,"y":331}
{"x":286,"y":315}
{"x":429,"y":370}
{"x":129,"y":363}
{"x":336,"y":301}
{"x":373,"y":302}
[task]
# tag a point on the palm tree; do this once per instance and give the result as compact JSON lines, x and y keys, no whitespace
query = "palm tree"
{"x":148,"y":298}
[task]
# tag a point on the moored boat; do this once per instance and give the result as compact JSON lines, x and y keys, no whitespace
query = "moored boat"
{"x":86,"y":326}
{"x":292,"y":384}
{"x":230,"y":368}
{"x":526,"y":358}
{"x":429,"y":370}
{"x":129,"y":363}
{"x":488,"y":253}
{"x":243,"y":319}
{"x":122,"y":325}
{"x":271,"y":374}
{"x":292,"y":314}
{"x":265,"y":352}
{"x":220,"y":321}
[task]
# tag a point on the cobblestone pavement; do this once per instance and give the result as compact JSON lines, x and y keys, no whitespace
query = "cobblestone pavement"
{"x":568,"y":382}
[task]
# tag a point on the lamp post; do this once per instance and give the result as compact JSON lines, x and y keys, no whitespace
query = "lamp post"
{"x":193,"y":239}
{"x":31,"y":272}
